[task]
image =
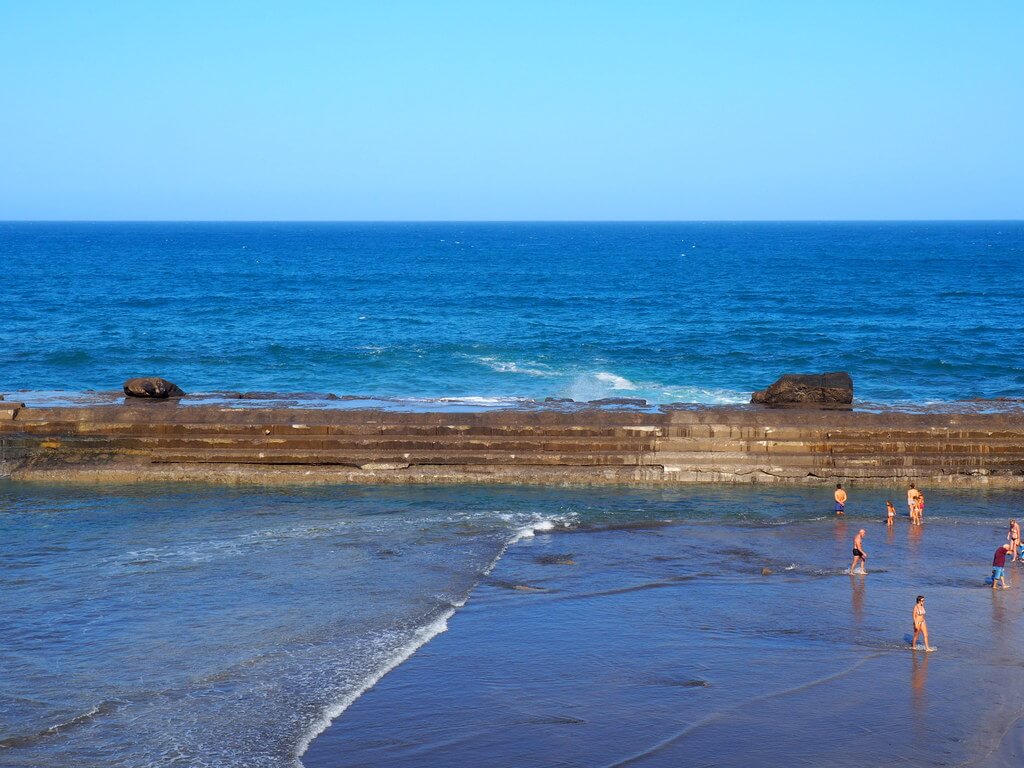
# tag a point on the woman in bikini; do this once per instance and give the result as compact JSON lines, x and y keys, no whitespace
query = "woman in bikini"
{"x":920,"y":625}
{"x":1013,"y":536}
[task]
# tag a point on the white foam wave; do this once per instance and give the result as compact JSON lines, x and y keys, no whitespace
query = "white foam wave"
{"x":423,"y":635}
{"x":594,"y":386}
{"x":531,"y":530}
{"x":613,"y":381}
{"x":218,"y":549}
{"x":508,"y":366}
{"x":420,"y":637}
{"x":530,"y":527}
{"x":704,"y":395}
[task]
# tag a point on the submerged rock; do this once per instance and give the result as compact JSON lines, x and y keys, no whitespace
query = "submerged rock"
{"x":834,"y":388}
{"x":288,"y":396}
{"x":152,"y":387}
{"x":555,"y":560}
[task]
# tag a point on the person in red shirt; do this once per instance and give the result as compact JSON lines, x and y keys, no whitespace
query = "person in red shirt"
{"x":998,"y":563}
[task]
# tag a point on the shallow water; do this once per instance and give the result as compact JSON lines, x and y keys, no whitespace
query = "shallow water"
{"x":666,"y":646}
{"x":689,"y":312}
{"x":171,"y":626}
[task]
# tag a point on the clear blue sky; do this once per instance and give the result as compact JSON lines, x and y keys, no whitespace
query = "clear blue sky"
{"x":520,"y":110}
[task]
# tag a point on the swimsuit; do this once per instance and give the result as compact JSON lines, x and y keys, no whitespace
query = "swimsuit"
{"x":857,"y":552}
{"x":840,"y":506}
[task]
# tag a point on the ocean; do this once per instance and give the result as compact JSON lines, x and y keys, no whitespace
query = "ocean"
{"x":174,"y":626}
{"x":667,"y":312}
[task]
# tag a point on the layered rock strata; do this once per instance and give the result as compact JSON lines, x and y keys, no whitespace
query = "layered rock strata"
{"x":142,"y":441}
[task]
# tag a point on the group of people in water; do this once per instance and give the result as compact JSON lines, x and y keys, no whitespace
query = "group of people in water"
{"x":915,"y":508}
{"x":1011,"y":547}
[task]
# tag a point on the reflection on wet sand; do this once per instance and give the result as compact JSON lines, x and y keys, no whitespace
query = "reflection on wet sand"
{"x":841,"y":534}
{"x":918,"y":690}
{"x":914,"y":534}
{"x":858,"y":587}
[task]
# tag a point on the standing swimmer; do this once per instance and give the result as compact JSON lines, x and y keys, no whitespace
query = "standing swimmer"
{"x":920,"y":625}
{"x":858,"y":553}
{"x":1013,"y":536}
{"x":840,"y":496}
{"x":890,"y":513}
{"x":912,"y":502}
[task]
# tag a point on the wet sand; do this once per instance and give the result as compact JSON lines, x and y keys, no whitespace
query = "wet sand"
{"x":664,"y":645}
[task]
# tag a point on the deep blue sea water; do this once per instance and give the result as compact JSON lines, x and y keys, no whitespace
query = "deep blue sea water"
{"x":692,"y":312}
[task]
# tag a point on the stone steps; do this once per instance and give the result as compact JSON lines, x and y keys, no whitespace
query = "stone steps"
{"x":713,"y":444}
{"x":407,"y":458}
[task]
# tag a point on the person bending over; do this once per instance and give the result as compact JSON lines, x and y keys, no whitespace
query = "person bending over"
{"x":998,"y":564}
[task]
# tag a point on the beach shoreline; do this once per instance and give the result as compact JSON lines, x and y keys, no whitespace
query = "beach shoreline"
{"x":559,"y":444}
{"x":722,"y":656}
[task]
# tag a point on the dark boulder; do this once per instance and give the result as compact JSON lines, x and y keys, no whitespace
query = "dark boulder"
{"x":152,"y":387}
{"x":808,"y":389}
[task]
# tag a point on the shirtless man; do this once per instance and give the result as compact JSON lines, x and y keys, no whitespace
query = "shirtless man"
{"x":840,"y":497}
{"x":858,"y":553}
{"x":912,"y":502}
{"x":1013,"y":536}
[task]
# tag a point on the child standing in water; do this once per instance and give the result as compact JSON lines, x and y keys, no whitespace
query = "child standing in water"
{"x":890,"y":513}
{"x":840,"y":497}
{"x":920,"y":625}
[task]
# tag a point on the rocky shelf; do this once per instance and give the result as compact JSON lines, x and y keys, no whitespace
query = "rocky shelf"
{"x":161,"y":441}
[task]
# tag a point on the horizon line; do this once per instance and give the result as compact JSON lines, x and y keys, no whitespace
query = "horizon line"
{"x":516,"y":221}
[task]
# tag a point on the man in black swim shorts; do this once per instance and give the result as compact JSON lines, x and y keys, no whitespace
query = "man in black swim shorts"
{"x":859,"y":555}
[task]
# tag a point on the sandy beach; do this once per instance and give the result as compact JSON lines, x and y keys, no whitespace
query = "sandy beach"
{"x":664,"y":645}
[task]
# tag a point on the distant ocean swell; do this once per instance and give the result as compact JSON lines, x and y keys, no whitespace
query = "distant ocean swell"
{"x":685,"y":312}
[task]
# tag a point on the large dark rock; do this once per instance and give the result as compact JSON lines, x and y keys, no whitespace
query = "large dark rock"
{"x":808,"y":389}
{"x":153,"y":387}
